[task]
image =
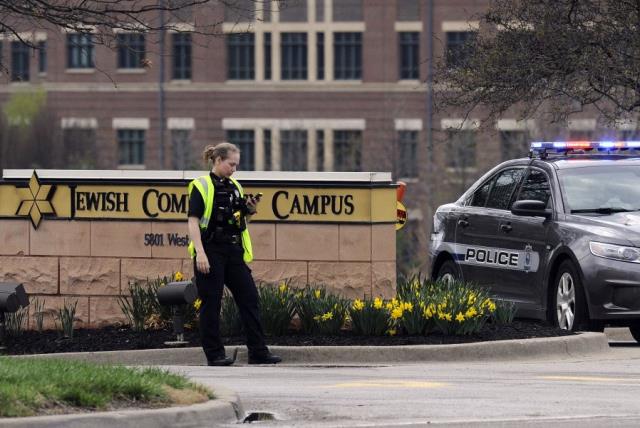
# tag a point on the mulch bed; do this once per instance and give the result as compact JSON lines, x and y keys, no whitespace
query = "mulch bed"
{"x":123,"y":338}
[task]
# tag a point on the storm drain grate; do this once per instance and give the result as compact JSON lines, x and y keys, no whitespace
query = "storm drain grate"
{"x":258,"y":416}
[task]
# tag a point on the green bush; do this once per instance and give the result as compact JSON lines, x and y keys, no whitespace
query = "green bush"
{"x":277,"y":307}
{"x":369,"y":317}
{"x":141,"y":304}
{"x":504,"y":313}
{"x":65,"y":318}
{"x":319,"y":311}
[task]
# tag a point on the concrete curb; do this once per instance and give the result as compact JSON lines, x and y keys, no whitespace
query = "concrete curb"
{"x":554,"y":347}
{"x":225,"y":408}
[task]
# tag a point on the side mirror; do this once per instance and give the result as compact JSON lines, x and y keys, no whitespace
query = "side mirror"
{"x":530,"y":208}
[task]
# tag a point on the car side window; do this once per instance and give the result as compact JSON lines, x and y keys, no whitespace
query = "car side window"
{"x":479,"y":197}
{"x":536,"y":187}
{"x":506,"y":184}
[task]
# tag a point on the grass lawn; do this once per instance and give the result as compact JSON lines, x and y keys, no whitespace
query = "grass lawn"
{"x":30,"y":386}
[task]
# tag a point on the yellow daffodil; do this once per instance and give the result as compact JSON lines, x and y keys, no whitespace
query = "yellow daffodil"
{"x":178,"y":276}
{"x":358,"y":305}
{"x":327,"y":316}
{"x":460,"y":317}
{"x":391,"y":332}
{"x":408,"y":306}
{"x":317,"y":294}
{"x":197,"y":303}
{"x":448,"y":317}
{"x":471,"y":312}
{"x":396,"y":313}
{"x":377,"y":303}
{"x":283,"y":287}
{"x":427,"y":313}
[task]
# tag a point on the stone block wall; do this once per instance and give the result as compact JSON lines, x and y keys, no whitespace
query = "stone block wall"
{"x":92,"y":262}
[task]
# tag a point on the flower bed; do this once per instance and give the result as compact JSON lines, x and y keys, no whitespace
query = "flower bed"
{"x":422,"y":312}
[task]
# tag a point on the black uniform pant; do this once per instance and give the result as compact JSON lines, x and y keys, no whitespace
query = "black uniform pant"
{"x":228,"y":268}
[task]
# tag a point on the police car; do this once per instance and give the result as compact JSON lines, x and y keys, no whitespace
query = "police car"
{"x":557,"y":233}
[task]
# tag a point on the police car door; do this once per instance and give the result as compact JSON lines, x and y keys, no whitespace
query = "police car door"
{"x":526,"y":237}
{"x":479,"y":257}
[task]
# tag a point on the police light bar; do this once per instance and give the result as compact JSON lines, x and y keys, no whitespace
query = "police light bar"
{"x":566,"y":146}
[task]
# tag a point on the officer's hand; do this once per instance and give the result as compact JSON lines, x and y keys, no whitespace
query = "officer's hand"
{"x":202,"y":263}
{"x":252,"y":203}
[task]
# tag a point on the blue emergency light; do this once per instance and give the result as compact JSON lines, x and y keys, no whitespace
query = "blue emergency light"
{"x":568,"y":146}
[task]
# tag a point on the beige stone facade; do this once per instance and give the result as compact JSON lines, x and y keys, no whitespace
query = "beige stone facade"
{"x":92,"y":261}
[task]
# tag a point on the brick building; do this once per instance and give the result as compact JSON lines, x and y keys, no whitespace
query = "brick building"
{"x":323,"y":85}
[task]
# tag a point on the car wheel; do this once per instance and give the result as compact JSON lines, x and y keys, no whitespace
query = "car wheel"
{"x":569,"y":309}
{"x":448,"y":272}
{"x":635,"y":331}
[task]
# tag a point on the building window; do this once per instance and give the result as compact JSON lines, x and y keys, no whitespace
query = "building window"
{"x":240,"y":56}
{"x":131,"y":146}
{"x":266,"y":141}
{"x":320,"y":56}
{"x":131,"y":50}
{"x":80,"y":52}
{"x":320,"y":150}
{"x":293,"y":48}
{"x":19,"y":61}
{"x":459,"y":47}
{"x":294,"y":11}
{"x":293,"y":150}
{"x":181,"y":56}
{"x":461,"y":153}
{"x":580,"y":134}
{"x":267,"y":56}
{"x":630,"y":135}
{"x":320,"y":10}
{"x":42,"y":57}
{"x":407,"y":154}
{"x":240,"y":11}
{"x":409,"y":55}
{"x":347,"y":150}
{"x":181,"y":149}
{"x":347,"y":10}
{"x":514,"y":144}
{"x":347,"y":60}
{"x":408,"y":10}
{"x":245,"y":140}
{"x":79,"y":148}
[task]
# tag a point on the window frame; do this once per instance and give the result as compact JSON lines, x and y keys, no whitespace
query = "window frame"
{"x":241,"y":56}
{"x":81,"y":52}
{"x":294,"y":52}
{"x":131,"y":50}
{"x":347,"y":55}
{"x":20,"y":61}
{"x":182,"y":50}
{"x":132,"y":151}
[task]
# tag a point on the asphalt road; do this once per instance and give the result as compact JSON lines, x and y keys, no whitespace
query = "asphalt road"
{"x":596,"y":391}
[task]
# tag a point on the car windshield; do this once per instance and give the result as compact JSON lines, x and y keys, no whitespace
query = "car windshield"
{"x":601,"y":189}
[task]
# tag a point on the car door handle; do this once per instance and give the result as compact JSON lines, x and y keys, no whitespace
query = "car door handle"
{"x":505,"y":227}
{"x":463,"y":223}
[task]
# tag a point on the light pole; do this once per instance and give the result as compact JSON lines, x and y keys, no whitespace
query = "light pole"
{"x":161,"y":100}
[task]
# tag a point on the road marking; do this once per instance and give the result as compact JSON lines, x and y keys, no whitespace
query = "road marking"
{"x":589,"y":378}
{"x":389,"y":383}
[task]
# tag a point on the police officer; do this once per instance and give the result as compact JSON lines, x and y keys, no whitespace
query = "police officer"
{"x":221,"y":248}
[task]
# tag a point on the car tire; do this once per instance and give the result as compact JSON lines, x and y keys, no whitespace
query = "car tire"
{"x":635,"y":331}
{"x":448,"y":272}
{"x":568,"y":309}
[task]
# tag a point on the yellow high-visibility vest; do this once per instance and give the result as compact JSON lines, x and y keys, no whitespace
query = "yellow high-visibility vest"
{"x":205,"y":186}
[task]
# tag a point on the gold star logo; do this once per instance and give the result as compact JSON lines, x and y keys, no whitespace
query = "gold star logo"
{"x":37,"y":202}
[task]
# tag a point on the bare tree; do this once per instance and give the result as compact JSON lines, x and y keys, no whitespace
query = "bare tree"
{"x":548,"y":58}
